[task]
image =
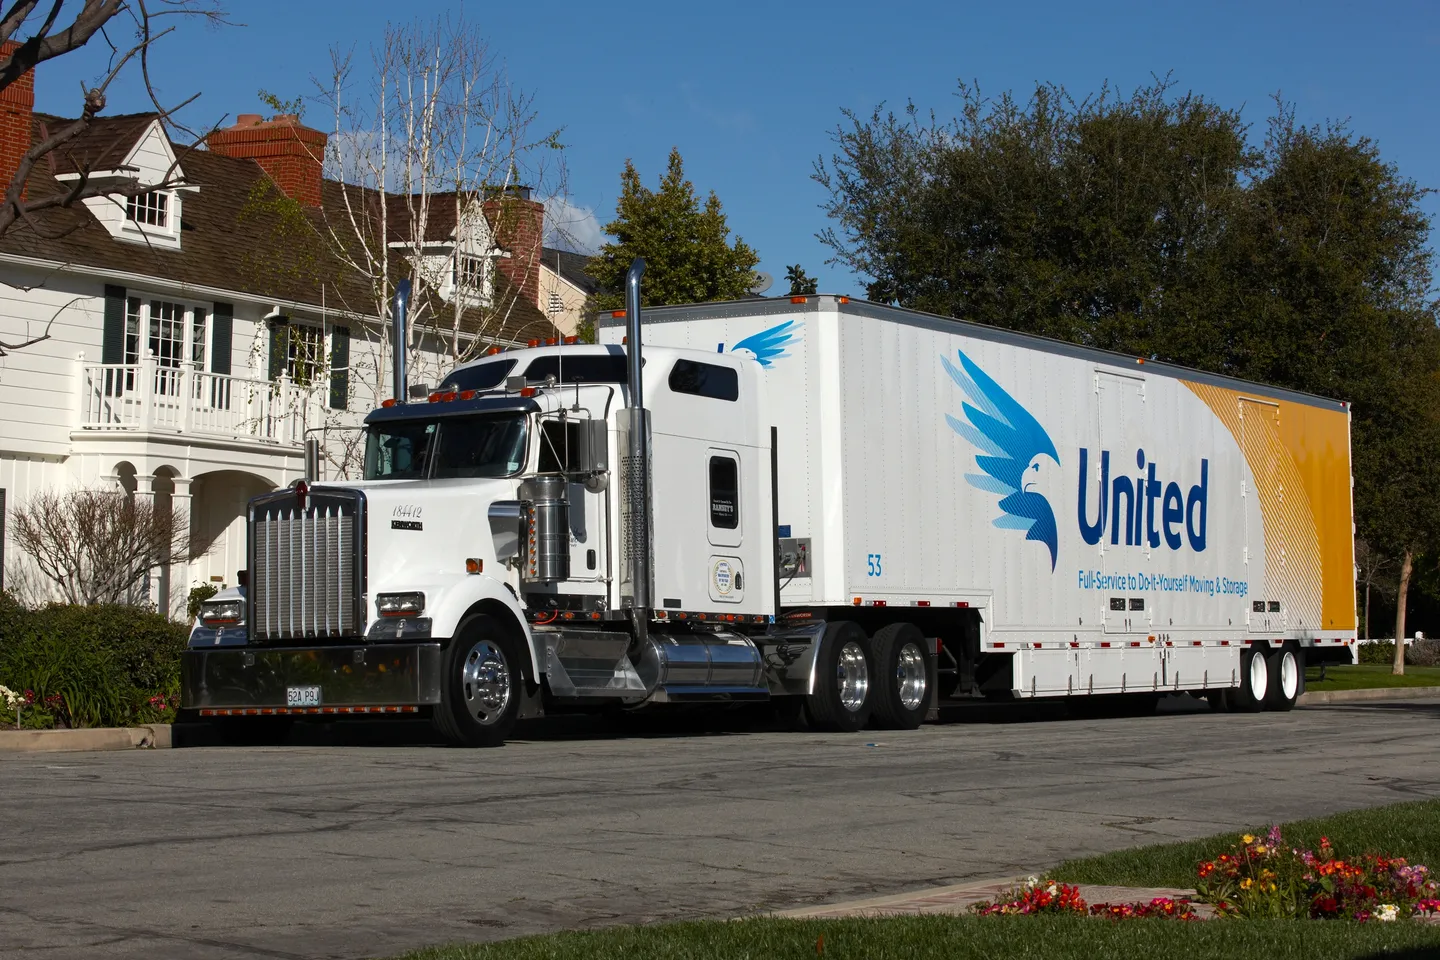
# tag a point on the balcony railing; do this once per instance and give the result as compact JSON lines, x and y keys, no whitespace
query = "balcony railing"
{"x":152,"y":397}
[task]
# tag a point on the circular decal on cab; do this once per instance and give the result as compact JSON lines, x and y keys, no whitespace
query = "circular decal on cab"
{"x":723,"y":577}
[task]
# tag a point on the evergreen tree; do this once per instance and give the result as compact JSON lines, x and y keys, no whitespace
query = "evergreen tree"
{"x":688,"y":256}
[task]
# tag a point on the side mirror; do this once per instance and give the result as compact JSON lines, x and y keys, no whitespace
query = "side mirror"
{"x":242,"y":578}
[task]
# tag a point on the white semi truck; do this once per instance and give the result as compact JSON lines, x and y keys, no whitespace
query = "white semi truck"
{"x":816,"y":501}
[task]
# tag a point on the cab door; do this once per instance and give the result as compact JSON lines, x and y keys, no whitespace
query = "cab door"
{"x":725,"y":524}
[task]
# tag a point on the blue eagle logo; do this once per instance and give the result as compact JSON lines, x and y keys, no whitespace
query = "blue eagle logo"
{"x":1012,"y":447}
{"x":767,"y":346}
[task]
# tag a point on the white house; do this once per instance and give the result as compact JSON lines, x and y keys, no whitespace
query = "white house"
{"x":198,"y":333}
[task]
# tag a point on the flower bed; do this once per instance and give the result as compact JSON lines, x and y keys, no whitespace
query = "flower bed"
{"x":1260,"y":878}
{"x":1265,"y":877}
{"x":1037,"y":896}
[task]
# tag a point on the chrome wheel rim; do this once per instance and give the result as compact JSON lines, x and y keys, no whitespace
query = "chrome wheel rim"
{"x":485,"y":682}
{"x":910,"y":676}
{"x":1289,"y":674}
{"x":853,"y":675}
{"x":1259,"y":676}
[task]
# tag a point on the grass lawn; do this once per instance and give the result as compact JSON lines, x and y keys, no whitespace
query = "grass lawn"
{"x":1410,"y":830}
{"x":1362,"y":675}
{"x":960,"y":938}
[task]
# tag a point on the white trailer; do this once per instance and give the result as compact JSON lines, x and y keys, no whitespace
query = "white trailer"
{"x":1113,"y":525}
{"x":824,"y":503}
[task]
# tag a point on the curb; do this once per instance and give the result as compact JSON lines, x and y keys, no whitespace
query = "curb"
{"x":151,"y":736}
{"x":1365,"y":693}
{"x":958,"y":899}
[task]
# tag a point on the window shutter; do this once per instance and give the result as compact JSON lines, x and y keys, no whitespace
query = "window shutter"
{"x":221,"y":330}
{"x":112,"y":342}
{"x":279,"y":346}
{"x":339,"y":368}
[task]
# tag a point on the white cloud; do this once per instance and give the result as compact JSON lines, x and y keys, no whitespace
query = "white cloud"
{"x":570,"y":226}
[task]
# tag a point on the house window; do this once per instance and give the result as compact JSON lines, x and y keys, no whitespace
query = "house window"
{"x":172,"y":332}
{"x":149,"y":209}
{"x":305,"y":356}
{"x":469,"y":271}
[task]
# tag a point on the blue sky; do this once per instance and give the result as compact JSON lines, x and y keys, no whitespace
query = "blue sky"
{"x":751,"y":92}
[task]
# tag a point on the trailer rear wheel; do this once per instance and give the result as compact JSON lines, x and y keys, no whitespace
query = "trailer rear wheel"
{"x":1254,"y":687}
{"x":1286,"y":668}
{"x":843,"y":694}
{"x":905,"y":676}
{"x":480,"y":688}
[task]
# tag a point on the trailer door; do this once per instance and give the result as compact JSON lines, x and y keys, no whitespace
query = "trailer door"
{"x":1264,"y":548}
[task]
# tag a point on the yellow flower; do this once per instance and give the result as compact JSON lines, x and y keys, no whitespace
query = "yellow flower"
{"x":1248,"y":838}
{"x":1246,"y":883}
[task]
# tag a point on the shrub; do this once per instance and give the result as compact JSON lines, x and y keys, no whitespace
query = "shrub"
{"x":198,"y":595}
{"x":1378,"y":652}
{"x":1423,"y":653}
{"x":103,"y":665}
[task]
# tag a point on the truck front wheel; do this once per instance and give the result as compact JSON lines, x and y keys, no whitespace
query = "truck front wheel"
{"x":481,"y":688}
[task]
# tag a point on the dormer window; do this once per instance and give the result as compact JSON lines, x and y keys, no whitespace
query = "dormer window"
{"x":469,"y":271}
{"x":149,"y":209}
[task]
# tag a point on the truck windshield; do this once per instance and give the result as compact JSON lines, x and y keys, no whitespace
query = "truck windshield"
{"x":448,"y":447}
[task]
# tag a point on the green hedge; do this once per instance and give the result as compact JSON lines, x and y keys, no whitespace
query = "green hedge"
{"x":97,"y":666}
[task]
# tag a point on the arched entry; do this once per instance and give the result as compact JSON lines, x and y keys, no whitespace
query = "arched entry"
{"x":217,"y":523}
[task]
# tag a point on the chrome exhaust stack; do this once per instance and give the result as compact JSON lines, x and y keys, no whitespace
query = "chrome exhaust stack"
{"x":635,"y":502}
{"x":399,"y":304}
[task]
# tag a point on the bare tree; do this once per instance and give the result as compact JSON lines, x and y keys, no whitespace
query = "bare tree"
{"x":97,"y":546}
{"x":436,"y":138}
{"x":1373,"y":571}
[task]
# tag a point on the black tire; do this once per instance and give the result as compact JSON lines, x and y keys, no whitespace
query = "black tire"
{"x":844,"y":673}
{"x":904,"y":676}
{"x":1286,"y":666}
{"x":1249,"y":697}
{"x":252,"y":731}
{"x":482,"y":684}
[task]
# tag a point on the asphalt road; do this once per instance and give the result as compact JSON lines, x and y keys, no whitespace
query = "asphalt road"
{"x":335,"y":848}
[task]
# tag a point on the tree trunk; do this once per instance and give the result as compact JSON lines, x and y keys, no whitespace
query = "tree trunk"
{"x":1366,"y":634}
{"x":1407,"y":564}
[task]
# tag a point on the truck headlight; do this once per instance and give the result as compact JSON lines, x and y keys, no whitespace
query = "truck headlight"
{"x":222,"y":613}
{"x":399,"y":604}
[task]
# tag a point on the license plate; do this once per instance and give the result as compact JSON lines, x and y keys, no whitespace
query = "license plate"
{"x":302,"y":696}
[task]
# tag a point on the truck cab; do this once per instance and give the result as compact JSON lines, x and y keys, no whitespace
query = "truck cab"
{"x":484,"y":569}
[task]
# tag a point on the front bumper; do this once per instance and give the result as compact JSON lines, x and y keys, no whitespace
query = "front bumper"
{"x":371,"y":675}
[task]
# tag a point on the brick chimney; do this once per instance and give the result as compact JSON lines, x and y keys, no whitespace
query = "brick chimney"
{"x":292,"y":154}
{"x":17,"y":107}
{"x":519,"y":225}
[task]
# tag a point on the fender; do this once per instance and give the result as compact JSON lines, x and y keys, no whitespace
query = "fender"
{"x":449,"y":598}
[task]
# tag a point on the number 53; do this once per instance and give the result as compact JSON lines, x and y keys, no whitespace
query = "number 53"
{"x":872,"y":562}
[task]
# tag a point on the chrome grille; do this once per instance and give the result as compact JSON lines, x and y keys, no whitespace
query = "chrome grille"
{"x":306,"y":565}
